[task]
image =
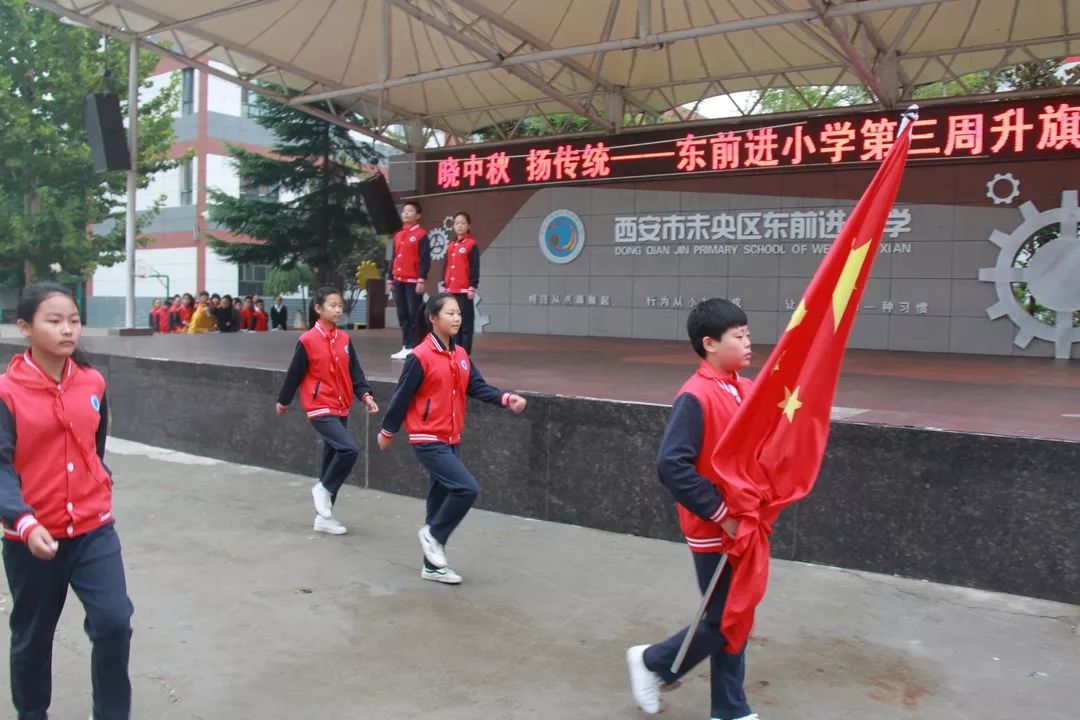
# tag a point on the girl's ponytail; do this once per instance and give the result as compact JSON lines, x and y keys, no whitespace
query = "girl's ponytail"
{"x":432,"y":307}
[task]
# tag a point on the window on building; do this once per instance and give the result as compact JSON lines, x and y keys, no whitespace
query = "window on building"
{"x":266,"y":193}
{"x":187,"y":89}
{"x":187,"y":183}
{"x":252,"y":279}
{"x":249,"y":106}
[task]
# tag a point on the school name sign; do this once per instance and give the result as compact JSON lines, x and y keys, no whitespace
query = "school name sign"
{"x":748,"y":232}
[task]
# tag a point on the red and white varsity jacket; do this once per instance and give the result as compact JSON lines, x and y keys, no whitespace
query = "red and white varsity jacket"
{"x":715,"y":396}
{"x":430,"y":396}
{"x":327,"y":372}
{"x":52,"y":441}
{"x":462,"y":271}
{"x":412,"y":255}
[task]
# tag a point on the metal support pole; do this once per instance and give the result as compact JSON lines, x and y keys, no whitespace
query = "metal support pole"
{"x":132,"y":185}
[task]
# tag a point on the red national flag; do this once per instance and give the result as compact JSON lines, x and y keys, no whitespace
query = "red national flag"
{"x":770,"y":455}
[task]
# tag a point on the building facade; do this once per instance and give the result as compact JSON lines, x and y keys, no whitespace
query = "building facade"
{"x":213,"y":114}
{"x":621,"y":236}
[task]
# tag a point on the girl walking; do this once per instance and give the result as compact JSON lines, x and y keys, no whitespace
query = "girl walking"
{"x":56,"y":507}
{"x":327,"y":372}
{"x":430,"y":401}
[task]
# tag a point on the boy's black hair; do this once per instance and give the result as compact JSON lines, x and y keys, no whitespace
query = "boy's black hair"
{"x":415,"y":204}
{"x":31,"y":299}
{"x":324,"y":292}
{"x":260,"y":301}
{"x":712,"y":318}
{"x":215,"y":295}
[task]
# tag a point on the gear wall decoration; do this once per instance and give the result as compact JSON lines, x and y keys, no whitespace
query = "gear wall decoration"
{"x":481,"y":321}
{"x":439,"y":238}
{"x":1051,"y":275}
{"x":991,"y":188}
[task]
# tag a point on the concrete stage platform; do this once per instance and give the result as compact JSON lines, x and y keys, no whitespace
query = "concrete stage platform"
{"x":1011,"y":396}
{"x":242,"y":612}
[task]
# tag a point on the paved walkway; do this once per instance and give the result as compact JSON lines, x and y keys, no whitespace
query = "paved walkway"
{"x":243,"y":612}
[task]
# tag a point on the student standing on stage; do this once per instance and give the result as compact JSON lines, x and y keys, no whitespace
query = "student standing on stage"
{"x":328,"y":374}
{"x":704,"y":407}
{"x":430,"y":401}
{"x":56,"y":507}
{"x":462,"y":276}
{"x":409,"y":268}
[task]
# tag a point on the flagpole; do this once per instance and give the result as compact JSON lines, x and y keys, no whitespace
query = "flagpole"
{"x":705,"y":598}
{"x":908,"y":117}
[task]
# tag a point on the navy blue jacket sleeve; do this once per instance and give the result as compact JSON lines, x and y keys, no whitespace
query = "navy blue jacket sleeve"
{"x":294,"y":375}
{"x":103,"y":426}
{"x":356,"y":374}
{"x":675,"y":462}
{"x":474,"y":267}
{"x":12,"y":505}
{"x":411,"y":377}
{"x":425,"y":257}
{"x":479,"y":389}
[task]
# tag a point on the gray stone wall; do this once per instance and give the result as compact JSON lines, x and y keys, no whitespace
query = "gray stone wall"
{"x":975,"y":510}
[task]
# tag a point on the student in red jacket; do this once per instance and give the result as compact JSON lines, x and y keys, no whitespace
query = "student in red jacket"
{"x":184,"y":313}
{"x":56,"y":507}
{"x":409,"y":266}
{"x":703,"y":409}
{"x":430,"y":400}
{"x":247,"y":314}
{"x":328,"y":374}
{"x":155,"y":312}
{"x":261,"y":322}
{"x":462,"y":276}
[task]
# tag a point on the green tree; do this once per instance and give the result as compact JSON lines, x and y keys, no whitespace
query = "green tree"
{"x":811,"y":97}
{"x":302,"y":205}
{"x":49,"y":193}
{"x":281,"y":281}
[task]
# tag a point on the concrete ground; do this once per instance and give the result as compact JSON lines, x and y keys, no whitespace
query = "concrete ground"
{"x":243,"y":612}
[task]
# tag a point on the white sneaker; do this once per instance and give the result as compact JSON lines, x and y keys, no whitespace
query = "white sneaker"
{"x":329,"y":525}
{"x":644,"y":683}
{"x":433,"y":549}
{"x":401,"y":354}
{"x":751,"y":716}
{"x":323,"y":504}
{"x":442,"y":575}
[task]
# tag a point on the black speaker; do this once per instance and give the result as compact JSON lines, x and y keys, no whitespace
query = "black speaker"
{"x":380,"y":205}
{"x":105,"y":131}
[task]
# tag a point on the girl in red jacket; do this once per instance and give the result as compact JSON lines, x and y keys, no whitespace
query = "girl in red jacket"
{"x":462,"y":276}
{"x":430,"y":400}
{"x":327,"y":372}
{"x":56,"y":507}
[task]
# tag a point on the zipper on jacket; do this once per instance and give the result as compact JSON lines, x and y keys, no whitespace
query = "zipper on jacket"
{"x":315,"y":392}
{"x":427,"y":407}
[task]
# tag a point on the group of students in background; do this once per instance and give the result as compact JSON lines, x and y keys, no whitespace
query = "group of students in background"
{"x":217,"y":313}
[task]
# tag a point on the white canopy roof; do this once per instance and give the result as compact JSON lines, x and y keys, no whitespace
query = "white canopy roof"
{"x":459,"y":65}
